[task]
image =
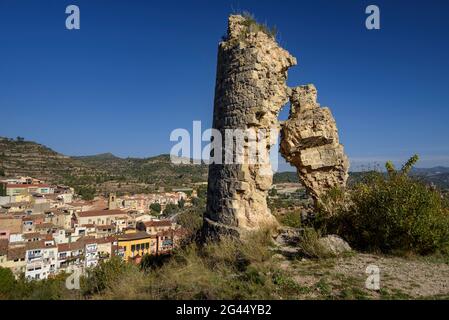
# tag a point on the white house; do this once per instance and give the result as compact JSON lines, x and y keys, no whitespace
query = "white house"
{"x":41,"y":260}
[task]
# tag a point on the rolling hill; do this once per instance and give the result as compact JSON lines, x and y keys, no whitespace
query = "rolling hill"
{"x":107,"y":172}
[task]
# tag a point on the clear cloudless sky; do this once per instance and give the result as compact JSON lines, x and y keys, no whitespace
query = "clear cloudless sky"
{"x":138,"y":69}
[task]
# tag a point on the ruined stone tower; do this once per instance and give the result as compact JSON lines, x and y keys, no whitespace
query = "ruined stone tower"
{"x":250,"y":91}
{"x":112,"y":203}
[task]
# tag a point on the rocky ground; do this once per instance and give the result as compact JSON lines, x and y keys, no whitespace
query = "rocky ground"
{"x":344,"y":277}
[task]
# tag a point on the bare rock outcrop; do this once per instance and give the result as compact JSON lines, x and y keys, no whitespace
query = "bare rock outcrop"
{"x":309,"y":141}
{"x":250,"y":91}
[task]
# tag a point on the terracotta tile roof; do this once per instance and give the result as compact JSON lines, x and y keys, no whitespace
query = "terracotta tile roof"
{"x":86,"y":238}
{"x":64,"y":247}
{"x":33,"y":217}
{"x":45,"y":226}
{"x":106,"y":226}
{"x":3,"y":246}
{"x":38,"y":245}
{"x":17,"y":204}
{"x":14,"y":185}
{"x":99,"y":213}
{"x":106,"y":240}
{"x":48,"y":237}
{"x":156,"y":223}
{"x":135,"y":236}
{"x":32,"y":235}
{"x":16,"y":253}
{"x":9,"y":216}
{"x":166,"y":233}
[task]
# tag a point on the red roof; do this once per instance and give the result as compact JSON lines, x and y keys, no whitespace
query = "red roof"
{"x":97,"y":213}
{"x":64,"y":247}
{"x":13,"y":185}
{"x":135,"y":236}
{"x":160,"y":223}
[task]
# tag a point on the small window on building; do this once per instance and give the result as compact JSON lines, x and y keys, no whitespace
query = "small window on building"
{"x":133,"y":247}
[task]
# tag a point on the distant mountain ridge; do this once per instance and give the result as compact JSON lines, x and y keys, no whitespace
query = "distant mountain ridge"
{"x":104,"y":171}
{"x":438,"y":176}
{"x":100,"y":156}
{"x":107,"y":172}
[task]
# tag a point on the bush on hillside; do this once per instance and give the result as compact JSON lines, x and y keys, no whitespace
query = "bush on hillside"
{"x":24,"y":289}
{"x":105,"y":275}
{"x":228,"y":269}
{"x":393,"y":212}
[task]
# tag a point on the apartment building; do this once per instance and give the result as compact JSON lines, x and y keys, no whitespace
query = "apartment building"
{"x":97,"y":217}
{"x":41,"y":260}
{"x":137,"y":244}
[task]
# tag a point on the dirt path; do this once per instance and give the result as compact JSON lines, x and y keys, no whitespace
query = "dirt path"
{"x":344,"y":277}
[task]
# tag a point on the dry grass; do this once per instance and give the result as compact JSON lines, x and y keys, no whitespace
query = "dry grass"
{"x":311,"y":246}
{"x":229,"y":269}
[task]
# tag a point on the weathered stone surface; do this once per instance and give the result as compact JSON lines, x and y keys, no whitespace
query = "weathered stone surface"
{"x":334,"y":244}
{"x":288,"y":242}
{"x":249,"y":93}
{"x":288,"y":236}
{"x":309,"y":141}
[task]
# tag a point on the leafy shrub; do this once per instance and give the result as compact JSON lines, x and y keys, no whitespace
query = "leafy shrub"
{"x":23,"y":289}
{"x":309,"y":242}
{"x":156,"y":208}
{"x":192,"y":221}
{"x":170,"y":209}
{"x":105,"y":275}
{"x":7,"y":282}
{"x":291,"y":219}
{"x":228,"y":269}
{"x":394,"y":212}
{"x":86,"y":192}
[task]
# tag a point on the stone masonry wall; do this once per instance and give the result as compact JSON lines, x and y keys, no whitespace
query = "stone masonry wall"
{"x":250,"y":91}
{"x":309,"y":141}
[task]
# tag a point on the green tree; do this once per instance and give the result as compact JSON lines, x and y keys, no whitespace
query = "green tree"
{"x":394,"y":212}
{"x":170,"y":209}
{"x":272,"y":192}
{"x":87,"y":193}
{"x":181,"y":203}
{"x":2,"y":190}
{"x":7,"y":283}
{"x":155,"y":208}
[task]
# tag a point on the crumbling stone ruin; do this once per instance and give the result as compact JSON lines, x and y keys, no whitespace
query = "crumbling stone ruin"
{"x":309,"y":141}
{"x":250,"y":91}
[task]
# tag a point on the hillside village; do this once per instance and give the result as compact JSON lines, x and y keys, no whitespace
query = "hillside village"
{"x":47,"y":229}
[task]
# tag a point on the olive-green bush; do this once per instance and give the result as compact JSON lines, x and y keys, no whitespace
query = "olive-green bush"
{"x":393,"y":212}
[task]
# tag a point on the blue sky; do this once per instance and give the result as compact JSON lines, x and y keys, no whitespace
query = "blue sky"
{"x":138,"y":69}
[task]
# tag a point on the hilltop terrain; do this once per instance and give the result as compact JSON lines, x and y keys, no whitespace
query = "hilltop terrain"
{"x":104,"y":171}
{"x":107,"y":172}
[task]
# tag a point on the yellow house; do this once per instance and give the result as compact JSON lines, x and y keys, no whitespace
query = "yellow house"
{"x":137,"y":244}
